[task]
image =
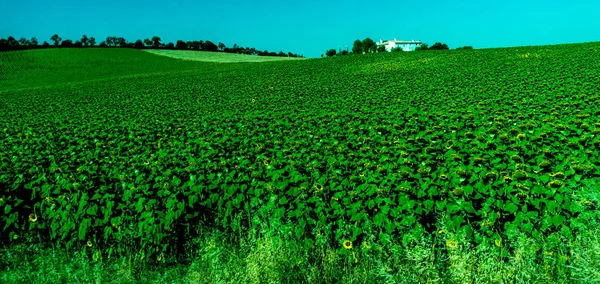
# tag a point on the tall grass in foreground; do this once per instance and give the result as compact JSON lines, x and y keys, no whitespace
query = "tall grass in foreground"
{"x":263,"y":255}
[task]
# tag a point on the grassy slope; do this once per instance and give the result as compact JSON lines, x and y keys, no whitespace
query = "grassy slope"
{"x":265,"y":257}
{"x":219,"y":57}
{"x":47,"y":67}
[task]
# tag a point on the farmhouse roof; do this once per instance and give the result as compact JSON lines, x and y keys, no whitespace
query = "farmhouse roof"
{"x":400,"y":41}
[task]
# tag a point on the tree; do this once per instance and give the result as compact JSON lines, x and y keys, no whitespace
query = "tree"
{"x":330,"y":52}
{"x":92,"y":41}
{"x":381,"y":48}
{"x":181,"y":45}
{"x":344,"y":52}
{"x":423,"y":46}
{"x":439,"y":46}
{"x":66,"y":43}
{"x":12,"y":42}
{"x":109,"y":41}
{"x":139,"y":44}
{"x":155,"y":41}
{"x":103,"y":44}
{"x":24,"y":42}
{"x":194,"y":45}
{"x":397,"y":49}
{"x":56,"y":39}
{"x":3,"y":44}
{"x":147,"y":42}
{"x":45,"y":44}
{"x":210,"y":46}
{"x":77,"y":43}
{"x":85,"y":40}
{"x":221,"y":46}
{"x":368,"y":45}
{"x":34,"y":41}
{"x":464,"y":47}
{"x":281,"y":54}
{"x":357,"y":47}
{"x":121,"y":42}
{"x":170,"y":45}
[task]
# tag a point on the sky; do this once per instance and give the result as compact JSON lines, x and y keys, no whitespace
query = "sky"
{"x":309,"y":27}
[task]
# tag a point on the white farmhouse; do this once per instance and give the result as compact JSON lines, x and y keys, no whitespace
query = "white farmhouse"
{"x":406,"y":45}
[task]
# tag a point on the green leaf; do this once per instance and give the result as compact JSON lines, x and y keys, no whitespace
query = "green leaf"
{"x":510,"y":207}
{"x":557,"y":220}
{"x":283,"y":200}
{"x":83,"y":226}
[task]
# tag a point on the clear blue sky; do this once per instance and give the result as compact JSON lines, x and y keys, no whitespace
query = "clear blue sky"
{"x":309,"y":27}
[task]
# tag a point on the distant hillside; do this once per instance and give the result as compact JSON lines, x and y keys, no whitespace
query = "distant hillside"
{"x":221,"y":57}
{"x":44,"y":67}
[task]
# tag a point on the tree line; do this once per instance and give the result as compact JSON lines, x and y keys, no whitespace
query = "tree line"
{"x":10,"y":43}
{"x":367,"y":45}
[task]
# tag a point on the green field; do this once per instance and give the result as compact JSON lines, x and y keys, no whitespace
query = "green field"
{"x":450,"y":166}
{"x":220,"y":57}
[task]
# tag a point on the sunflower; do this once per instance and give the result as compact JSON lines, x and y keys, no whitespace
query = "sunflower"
{"x":33,"y":218}
{"x":451,"y":243}
{"x":347,"y":244}
{"x":318,"y":187}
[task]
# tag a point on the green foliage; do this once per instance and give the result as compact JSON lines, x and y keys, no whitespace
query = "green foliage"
{"x":464,"y":47}
{"x":368,"y":45}
{"x":375,"y":148}
{"x":439,"y":46}
{"x":357,"y":47}
{"x":210,"y":46}
{"x":331,"y":52}
{"x":156,"y":41}
{"x":56,"y":39}
{"x":423,"y":46}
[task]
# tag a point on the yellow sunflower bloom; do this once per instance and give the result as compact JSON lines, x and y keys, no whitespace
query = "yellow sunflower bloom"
{"x":33,"y":217}
{"x":451,"y":243}
{"x":347,"y":244}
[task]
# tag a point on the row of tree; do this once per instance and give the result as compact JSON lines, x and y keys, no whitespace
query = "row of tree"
{"x":155,"y":42}
{"x":368,"y":45}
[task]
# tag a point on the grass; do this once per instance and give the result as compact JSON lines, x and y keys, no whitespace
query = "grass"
{"x":265,"y":255}
{"x":220,"y":57}
{"x":267,"y":258}
{"x":50,"y":67}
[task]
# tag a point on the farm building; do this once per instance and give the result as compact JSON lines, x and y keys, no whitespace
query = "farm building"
{"x":406,"y":45}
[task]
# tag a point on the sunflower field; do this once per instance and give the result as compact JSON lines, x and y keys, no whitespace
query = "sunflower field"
{"x":491,"y":143}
